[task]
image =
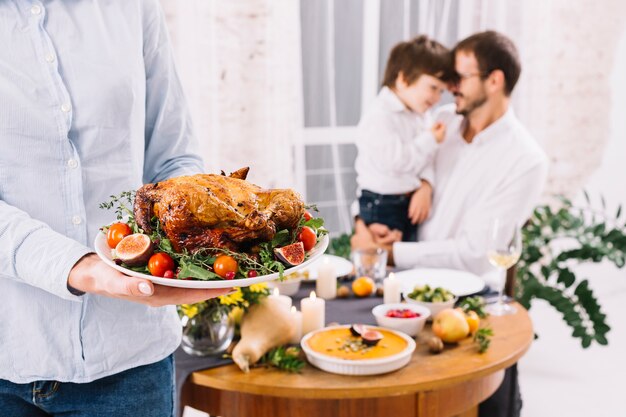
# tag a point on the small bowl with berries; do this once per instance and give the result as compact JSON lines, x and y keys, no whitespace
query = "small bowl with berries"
{"x":404,"y":317}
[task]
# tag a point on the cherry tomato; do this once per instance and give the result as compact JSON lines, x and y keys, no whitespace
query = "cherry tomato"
{"x":160,"y":263}
{"x":225,"y":264}
{"x":307,"y":216}
{"x":308,"y":238}
{"x":252,"y":273}
{"x":117,"y":232}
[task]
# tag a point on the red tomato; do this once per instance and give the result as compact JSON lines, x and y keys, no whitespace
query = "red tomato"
{"x":307,"y":216}
{"x":225,"y":264}
{"x":308,"y":238}
{"x":160,"y":263}
{"x":117,"y":232}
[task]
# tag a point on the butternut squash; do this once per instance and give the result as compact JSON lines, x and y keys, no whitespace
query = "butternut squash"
{"x":265,"y":326}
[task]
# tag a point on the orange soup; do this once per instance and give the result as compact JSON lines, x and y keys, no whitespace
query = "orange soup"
{"x":338,"y":342}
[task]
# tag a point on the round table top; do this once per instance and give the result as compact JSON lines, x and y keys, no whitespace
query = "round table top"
{"x":513,"y":335}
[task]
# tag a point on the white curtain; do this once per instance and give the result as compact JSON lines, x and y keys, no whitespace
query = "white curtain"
{"x":240,"y":65}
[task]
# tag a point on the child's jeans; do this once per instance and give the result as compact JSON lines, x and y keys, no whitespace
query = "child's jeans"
{"x":389,"y":209}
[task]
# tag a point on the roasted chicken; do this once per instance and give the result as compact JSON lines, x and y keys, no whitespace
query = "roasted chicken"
{"x":216,"y":211}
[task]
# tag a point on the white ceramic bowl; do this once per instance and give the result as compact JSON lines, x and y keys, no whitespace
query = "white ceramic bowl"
{"x":289,"y":286}
{"x":411,"y":326}
{"x":362,"y":366}
{"x":433,"y":307}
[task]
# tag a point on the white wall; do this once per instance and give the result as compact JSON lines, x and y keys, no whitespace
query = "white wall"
{"x":557,"y":376}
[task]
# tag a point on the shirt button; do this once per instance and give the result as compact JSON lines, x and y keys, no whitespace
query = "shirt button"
{"x":72,"y":163}
{"x":50,"y":58}
{"x":77,"y":220}
{"x":65,"y":108}
{"x":35,"y":9}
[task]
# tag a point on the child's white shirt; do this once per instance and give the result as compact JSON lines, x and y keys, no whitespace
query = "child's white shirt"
{"x":395,"y":147}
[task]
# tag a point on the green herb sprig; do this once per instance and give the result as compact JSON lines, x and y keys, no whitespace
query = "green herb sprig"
{"x":286,"y":359}
{"x":482,"y":338}
{"x":476,"y":304}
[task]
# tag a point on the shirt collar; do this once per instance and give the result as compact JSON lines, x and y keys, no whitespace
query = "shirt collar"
{"x":391,"y":100}
{"x":504,"y":123}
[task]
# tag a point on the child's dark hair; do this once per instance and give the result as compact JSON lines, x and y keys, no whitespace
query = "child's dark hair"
{"x":419,"y":56}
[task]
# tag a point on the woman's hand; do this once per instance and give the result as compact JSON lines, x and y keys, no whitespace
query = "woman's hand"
{"x":92,"y":275}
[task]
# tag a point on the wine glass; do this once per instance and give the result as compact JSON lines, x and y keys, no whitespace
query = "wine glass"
{"x":503,"y":251}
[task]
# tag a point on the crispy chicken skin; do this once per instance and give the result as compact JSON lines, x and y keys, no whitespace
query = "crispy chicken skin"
{"x":209,"y":211}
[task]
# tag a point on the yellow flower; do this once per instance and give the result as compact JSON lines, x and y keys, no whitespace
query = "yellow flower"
{"x":236,"y":314}
{"x":189,"y":310}
{"x":258,"y":287}
{"x":232,"y":299}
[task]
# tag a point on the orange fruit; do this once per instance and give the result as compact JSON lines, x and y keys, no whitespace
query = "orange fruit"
{"x":473,"y":320}
{"x":363,"y":286}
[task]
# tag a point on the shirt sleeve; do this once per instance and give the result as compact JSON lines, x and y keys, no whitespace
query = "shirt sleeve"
{"x":31,"y":252}
{"x":386,"y":149}
{"x":512,"y":200}
{"x":171,"y":149}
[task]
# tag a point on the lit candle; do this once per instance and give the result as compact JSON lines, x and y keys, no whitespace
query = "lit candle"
{"x":313,"y":313}
{"x":391,"y":289}
{"x":282,"y":299}
{"x":296,"y":317}
{"x":326,"y":285}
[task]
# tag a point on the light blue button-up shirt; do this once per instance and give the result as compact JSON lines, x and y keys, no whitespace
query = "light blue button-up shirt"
{"x":90,"y":105}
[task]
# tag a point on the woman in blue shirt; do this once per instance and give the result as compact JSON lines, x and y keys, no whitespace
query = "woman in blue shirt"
{"x":90,"y":105}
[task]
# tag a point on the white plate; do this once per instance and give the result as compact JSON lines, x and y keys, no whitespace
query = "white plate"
{"x":358,"y":367}
{"x":459,"y":283}
{"x":103,"y":250}
{"x":342,"y":266}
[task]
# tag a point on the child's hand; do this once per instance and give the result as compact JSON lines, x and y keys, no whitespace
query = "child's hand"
{"x":439,"y":131}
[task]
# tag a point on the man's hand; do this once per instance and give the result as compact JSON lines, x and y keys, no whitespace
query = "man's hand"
{"x":364,"y":238}
{"x":92,"y":275}
{"x":420,"y":204}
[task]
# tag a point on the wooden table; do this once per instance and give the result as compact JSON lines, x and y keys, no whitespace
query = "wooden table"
{"x":451,"y":383}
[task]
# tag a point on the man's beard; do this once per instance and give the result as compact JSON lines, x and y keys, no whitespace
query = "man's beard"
{"x":471,"y":105}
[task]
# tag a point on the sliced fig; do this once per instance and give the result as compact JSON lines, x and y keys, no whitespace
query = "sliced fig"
{"x":371,"y":337}
{"x":135,"y":249}
{"x":358,"y":329}
{"x":291,"y":255}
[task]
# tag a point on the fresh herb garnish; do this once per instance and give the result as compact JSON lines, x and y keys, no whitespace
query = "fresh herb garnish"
{"x":483,"y":338}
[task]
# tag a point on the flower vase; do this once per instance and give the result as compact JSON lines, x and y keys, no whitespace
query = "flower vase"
{"x":208,"y":332}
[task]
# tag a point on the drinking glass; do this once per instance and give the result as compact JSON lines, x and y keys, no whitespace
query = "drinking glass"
{"x":503,"y":251}
{"x":370,"y":263}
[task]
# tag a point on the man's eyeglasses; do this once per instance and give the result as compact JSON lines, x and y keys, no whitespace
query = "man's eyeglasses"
{"x":460,"y":76}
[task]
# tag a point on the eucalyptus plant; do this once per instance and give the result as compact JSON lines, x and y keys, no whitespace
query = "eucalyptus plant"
{"x":554,"y":242}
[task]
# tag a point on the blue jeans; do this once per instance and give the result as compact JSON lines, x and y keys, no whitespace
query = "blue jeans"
{"x":389,"y":209}
{"x":145,"y":391}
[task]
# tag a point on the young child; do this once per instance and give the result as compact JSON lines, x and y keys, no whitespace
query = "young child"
{"x":396,"y":137}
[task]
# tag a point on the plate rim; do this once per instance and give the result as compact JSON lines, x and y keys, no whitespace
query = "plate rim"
{"x":411,"y":345}
{"x":335,"y":256}
{"x":398,"y":275}
{"x":100,"y":241}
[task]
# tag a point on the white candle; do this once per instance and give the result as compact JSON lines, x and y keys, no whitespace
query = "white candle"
{"x":326,"y":285}
{"x":283,"y":299}
{"x":313,"y":313}
{"x":391,"y":289}
{"x":296,"y":317}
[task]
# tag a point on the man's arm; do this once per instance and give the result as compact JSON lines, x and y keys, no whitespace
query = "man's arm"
{"x":513,"y":200}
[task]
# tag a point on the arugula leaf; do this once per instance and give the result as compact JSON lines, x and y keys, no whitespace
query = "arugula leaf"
{"x":189,"y":270}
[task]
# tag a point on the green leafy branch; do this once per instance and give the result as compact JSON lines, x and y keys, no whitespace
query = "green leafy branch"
{"x":284,"y":358}
{"x":482,"y":338}
{"x":545,"y":268}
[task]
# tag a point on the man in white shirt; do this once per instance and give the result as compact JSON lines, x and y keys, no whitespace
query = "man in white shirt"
{"x":488,"y":166}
